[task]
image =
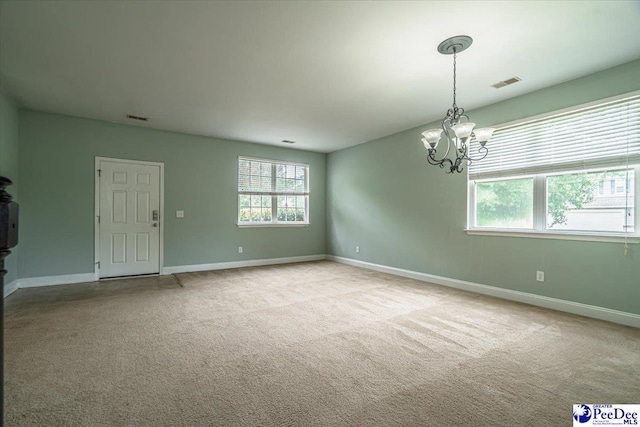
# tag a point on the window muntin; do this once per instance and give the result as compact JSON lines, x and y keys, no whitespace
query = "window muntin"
{"x":583,"y":150}
{"x":272,"y":192}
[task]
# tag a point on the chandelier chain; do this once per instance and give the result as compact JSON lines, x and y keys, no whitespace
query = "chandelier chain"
{"x":454,"y":77}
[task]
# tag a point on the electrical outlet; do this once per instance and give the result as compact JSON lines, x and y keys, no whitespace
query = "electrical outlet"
{"x":179,"y":214}
{"x":357,"y":249}
{"x":240,"y":250}
{"x":540,"y":276}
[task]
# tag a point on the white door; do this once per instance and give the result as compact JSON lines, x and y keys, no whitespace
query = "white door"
{"x":129,"y":219}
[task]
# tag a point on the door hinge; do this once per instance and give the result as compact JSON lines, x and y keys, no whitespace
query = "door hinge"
{"x":98,"y":264}
{"x":98,"y":218}
{"x":99,"y":172}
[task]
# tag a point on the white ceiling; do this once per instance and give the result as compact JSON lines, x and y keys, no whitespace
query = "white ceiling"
{"x":328,"y":75}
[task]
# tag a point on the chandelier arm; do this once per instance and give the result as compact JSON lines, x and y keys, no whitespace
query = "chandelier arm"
{"x":483,"y":151}
{"x":446,"y":132}
{"x":458,"y":163}
{"x":462,"y":150}
{"x":435,"y":162}
{"x":431,"y":159}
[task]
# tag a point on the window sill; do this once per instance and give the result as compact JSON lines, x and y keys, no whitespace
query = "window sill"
{"x":272,"y":224}
{"x":559,"y":235}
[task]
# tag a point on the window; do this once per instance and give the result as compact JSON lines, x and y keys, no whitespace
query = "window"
{"x":271,"y":192}
{"x":572,"y":172}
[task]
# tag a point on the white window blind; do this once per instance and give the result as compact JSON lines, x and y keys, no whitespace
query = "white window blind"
{"x":600,"y":135}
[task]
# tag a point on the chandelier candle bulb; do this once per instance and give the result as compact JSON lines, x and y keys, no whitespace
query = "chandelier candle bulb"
{"x":431,"y":137}
{"x":483,"y":135}
{"x":463,"y":130}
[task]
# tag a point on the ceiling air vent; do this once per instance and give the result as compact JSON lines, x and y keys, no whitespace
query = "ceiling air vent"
{"x":506,"y":82}
{"x":288,"y":141}
{"x":140,"y":118}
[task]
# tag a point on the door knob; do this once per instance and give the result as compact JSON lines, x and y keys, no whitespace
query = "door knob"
{"x":155,"y":224}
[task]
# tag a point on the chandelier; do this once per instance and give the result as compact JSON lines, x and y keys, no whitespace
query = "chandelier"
{"x":456,"y":125}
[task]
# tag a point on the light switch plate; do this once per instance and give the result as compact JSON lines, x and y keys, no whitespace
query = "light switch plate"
{"x":179,"y":214}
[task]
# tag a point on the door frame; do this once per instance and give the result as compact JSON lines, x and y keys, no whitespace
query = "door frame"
{"x":96,"y":225}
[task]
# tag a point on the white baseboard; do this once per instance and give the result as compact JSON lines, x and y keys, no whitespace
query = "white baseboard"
{"x":602,"y":313}
{"x":240,"y":264}
{"x":66,"y":279}
{"x":34,"y":282}
{"x":10,"y":288}
{"x":615,"y":316}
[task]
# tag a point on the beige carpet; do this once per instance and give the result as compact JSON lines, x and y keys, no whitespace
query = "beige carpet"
{"x":312,"y":344}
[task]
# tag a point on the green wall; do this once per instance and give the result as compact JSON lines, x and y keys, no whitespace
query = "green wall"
{"x":57,"y":194}
{"x":9,"y":166}
{"x":404,"y":213}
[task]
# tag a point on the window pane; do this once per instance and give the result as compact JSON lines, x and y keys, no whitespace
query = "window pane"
{"x":243,"y":167}
{"x":291,"y":179}
{"x":265,"y":185}
{"x":505,"y":204}
{"x":243,"y":183}
{"x":254,"y":176}
{"x":255,"y":183}
{"x":575,"y":202}
{"x":291,"y":208}
{"x":256,"y":214}
{"x":285,"y":185}
{"x":254,"y":208}
{"x":255,"y":168}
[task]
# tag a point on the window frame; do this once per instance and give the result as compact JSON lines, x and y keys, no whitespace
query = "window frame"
{"x":274,"y":195}
{"x":539,"y":229}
